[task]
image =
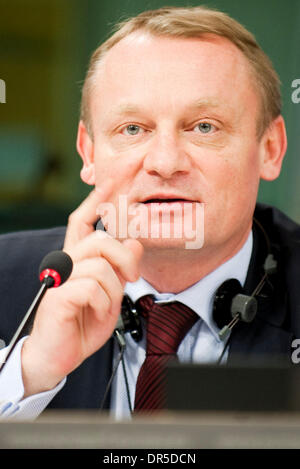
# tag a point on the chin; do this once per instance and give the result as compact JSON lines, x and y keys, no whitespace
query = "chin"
{"x":177,"y":244}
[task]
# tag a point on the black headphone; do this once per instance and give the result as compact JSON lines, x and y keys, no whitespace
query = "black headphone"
{"x":129,"y":320}
{"x":231,"y":303}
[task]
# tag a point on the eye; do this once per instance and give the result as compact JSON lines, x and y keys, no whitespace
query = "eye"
{"x":132,"y":129}
{"x":204,"y":128}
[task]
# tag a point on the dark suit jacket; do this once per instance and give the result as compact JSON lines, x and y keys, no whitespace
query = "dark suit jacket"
{"x":274,"y":327}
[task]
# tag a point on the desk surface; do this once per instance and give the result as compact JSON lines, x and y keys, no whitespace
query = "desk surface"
{"x":167,"y":430}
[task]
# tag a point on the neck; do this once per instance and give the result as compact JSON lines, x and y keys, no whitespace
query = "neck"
{"x":187,"y":267}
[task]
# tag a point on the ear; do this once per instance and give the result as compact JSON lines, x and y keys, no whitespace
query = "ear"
{"x":273,"y":148}
{"x":85,"y":148}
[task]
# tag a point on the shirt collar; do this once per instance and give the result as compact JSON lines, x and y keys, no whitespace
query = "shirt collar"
{"x":200,"y":296}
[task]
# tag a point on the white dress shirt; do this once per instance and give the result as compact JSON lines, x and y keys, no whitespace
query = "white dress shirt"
{"x":201,"y":345}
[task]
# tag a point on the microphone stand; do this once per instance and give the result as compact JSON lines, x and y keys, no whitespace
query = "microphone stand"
{"x":47,"y":283}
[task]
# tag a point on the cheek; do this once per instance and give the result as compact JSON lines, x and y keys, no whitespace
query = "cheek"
{"x":109,"y":164}
{"x":232,"y":181}
{"x":234,"y":171}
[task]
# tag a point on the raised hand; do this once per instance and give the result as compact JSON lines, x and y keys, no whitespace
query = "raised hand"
{"x":76,"y":319}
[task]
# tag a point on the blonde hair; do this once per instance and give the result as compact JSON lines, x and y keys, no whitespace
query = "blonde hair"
{"x":192,"y":22}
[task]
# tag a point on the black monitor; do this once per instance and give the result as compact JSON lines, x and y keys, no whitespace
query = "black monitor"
{"x":253,"y":387}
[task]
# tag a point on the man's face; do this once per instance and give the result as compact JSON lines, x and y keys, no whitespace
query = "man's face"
{"x":177,"y":119}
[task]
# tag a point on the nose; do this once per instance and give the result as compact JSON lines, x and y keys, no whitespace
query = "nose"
{"x":166,"y":157}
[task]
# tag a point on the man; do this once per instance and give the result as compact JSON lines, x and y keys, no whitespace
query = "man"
{"x":179,"y":106}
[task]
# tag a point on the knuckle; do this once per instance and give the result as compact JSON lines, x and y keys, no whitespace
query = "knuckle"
{"x":131,"y":257}
{"x":92,"y":287}
{"x":75,"y":217}
{"x":71,"y":217}
{"x":131,"y":262}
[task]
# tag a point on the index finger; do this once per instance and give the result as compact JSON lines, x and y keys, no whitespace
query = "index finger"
{"x":82,"y":220}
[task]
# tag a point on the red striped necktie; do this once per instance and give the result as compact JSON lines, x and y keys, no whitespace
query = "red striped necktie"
{"x":167,"y":325}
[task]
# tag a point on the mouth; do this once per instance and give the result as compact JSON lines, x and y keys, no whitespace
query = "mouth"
{"x":161,"y":201}
{"x":166,"y":199}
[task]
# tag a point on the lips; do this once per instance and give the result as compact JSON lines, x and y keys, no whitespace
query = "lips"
{"x":156,"y":199}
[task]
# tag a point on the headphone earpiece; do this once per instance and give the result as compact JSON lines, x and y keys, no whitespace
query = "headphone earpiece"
{"x":129,"y":320}
{"x":223,"y":300}
{"x":232,"y":305}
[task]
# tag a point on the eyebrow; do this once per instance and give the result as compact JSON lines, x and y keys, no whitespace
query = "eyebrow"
{"x":129,"y":108}
{"x":125,"y":108}
{"x":205,"y":103}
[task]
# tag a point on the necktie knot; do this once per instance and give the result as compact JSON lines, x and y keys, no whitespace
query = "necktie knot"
{"x":167,"y":325}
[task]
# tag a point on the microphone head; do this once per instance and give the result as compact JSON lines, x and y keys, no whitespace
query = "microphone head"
{"x":57,"y":265}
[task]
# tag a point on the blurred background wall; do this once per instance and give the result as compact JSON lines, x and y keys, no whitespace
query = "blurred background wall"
{"x":45,"y":47}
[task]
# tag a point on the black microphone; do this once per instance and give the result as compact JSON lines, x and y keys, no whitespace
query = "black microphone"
{"x":55,"y":269}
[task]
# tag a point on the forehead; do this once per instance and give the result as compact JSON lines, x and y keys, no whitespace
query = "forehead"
{"x":156,"y":68}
